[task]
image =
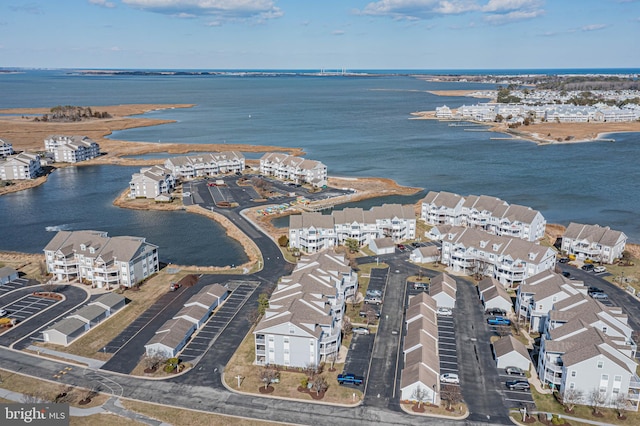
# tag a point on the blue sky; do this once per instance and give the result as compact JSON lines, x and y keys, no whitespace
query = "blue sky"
{"x":313,"y":34}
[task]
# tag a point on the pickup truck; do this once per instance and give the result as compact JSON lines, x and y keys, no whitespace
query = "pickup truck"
{"x":350,"y":379}
{"x":174,"y":286}
{"x":498,"y":321}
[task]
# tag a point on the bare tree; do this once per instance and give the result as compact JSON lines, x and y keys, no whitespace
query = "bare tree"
{"x":153,"y":360}
{"x":65,"y":395}
{"x":90,"y":393}
{"x":332,"y":360}
{"x":347,"y":327}
{"x":370,"y":314}
{"x":571,"y":398}
{"x":503,"y":330}
{"x":319,"y":383}
{"x":268,"y":375}
{"x":597,"y":400}
{"x":49,"y":286}
{"x":34,"y":398}
{"x":622,"y":404}
{"x":420,"y":395}
{"x":451,"y":394}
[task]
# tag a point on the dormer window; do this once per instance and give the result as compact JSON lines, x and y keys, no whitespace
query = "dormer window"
{"x":92,"y":250}
{"x":83,"y":247}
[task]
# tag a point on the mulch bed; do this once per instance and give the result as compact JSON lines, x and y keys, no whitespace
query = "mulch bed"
{"x":415,"y":409}
{"x":84,"y":401}
{"x":312,"y":393}
{"x":150,"y":370}
{"x":268,"y":389}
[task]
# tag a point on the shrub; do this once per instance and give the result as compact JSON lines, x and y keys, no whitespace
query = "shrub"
{"x":169,"y":368}
{"x":304,"y":382}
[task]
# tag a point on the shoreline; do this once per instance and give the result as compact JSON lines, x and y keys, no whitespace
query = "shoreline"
{"x":556,"y":133}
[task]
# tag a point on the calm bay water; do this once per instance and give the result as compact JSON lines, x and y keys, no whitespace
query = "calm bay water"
{"x":358,"y":126}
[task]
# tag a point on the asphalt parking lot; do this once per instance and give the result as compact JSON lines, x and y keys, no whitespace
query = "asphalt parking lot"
{"x":28,"y":306}
{"x":13,"y":285}
{"x":447,"y":345}
{"x":358,"y":357}
{"x":208,"y":334}
{"x":378,"y":279}
{"x":513,"y":398}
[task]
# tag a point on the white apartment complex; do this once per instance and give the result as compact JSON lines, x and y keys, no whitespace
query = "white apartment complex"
{"x":303,"y":324}
{"x":6,"y":148}
{"x":151,"y":182}
{"x":586,"y":347}
{"x":484,"y":212}
{"x":93,"y":257}
{"x":20,"y":166}
{"x":312,"y":232}
{"x":206,"y":164}
{"x":507,"y":259}
{"x":71,"y":149}
{"x":296,"y":169}
{"x":593,"y":242}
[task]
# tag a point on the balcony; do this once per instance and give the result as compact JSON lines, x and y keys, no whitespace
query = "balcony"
{"x":634,"y":383}
{"x":553,"y":378}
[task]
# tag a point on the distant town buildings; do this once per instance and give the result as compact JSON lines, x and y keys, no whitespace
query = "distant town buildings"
{"x":93,"y":257}
{"x":312,"y":232}
{"x":206,"y":164}
{"x":20,"y":166}
{"x":71,"y":149}
{"x":296,"y":169}
{"x":490,"y":214}
{"x":594,"y":242}
{"x":303,"y":324}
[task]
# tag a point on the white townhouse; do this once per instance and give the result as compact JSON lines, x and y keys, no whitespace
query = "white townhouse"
{"x":206,"y":164}
{"x":493,"y":295}
{"x":509,"y":260}
{"x":303,"y":324}
{"x":484,"y":212}
{"x":71,"y":149}
{"x":587,"y":347}
{"x":6,"y":148}
{"x":311,"y":232}
{"x":442,"y":289}
{"x":443,"y":112}
{"x":570,"y":114}
{"x":421,"y":366}
{"x":478,"y":112}
{"x":442,"y":208}
{"x":537,"y":295}
{"x":151,"y":182}
{"x":20,"y":166}
{"x":296,"y":169}
{"x":92,"y":256}
{"x":594,"y":242}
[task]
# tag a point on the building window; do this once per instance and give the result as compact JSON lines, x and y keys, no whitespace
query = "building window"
{"x":574,"y":373}
{"x":572,"y":385}
{"x":604,"y":378}
{"x":600,"y":364}
{"x":617,"y":378}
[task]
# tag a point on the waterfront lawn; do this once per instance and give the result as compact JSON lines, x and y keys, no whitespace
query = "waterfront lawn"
{"x":624,"y":276}
{"x":241,"y":364}
{"x":90,"y":345}
{"x":31,"y":265}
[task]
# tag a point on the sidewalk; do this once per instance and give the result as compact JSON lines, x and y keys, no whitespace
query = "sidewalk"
{"x":92,"y":363}
{"x":534,"y":379}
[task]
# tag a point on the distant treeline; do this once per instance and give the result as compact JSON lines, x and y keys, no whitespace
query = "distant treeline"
{"x":70,"y":113}
{"x":571,"y":83}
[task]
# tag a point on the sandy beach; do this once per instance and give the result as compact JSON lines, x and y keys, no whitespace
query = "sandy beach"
{"x":468,"y":93}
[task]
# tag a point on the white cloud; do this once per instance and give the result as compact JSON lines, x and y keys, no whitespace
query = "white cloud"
{"x":495,"y":11}
{"x":103,"y":3}
{"x":114,"y":49}
{"x":518,"y":15}
{"x":593,"y":27}
{"x":220,"y":10}
{"x":337,"y":32}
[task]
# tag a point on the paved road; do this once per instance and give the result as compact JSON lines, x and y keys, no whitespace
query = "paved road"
{"x":23,"y":335}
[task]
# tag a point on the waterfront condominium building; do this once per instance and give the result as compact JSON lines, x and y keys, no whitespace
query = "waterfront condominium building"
{"x":20,"y":166}
{"x":296,"y":169}
{"x":507,"y":259}
{"x":594,"y":242}
{"x":303,"y":324}
{"x":71,"y":149}
{"x":586,"y":347}
{"x":93,"y":257}
{"x":206,"y":164}
{"x":6,"y":148}
{"x":484,"y":212}
{"x":311,"y":232}
{"x":151,"y":182}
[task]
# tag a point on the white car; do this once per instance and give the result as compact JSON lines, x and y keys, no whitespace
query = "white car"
{"x":360,"y":330}
{"x":447,"y":312}
{"x":3,"y":312}
{"x":599,"y":269}
{"x":449,"y":378}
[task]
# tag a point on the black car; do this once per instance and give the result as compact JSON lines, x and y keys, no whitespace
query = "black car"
{"x":495,"y":311}
{"x":518,"y":385}
{"x":563,"y":260}
{"x":587,"y":267}
{"x":594,"y":290}
{"x":566,"y":274}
